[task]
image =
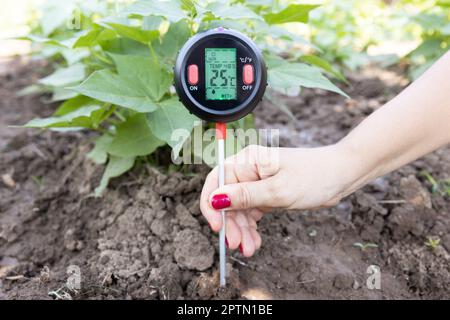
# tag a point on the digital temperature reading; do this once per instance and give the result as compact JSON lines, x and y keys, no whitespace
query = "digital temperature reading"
{"x":220,"y":73}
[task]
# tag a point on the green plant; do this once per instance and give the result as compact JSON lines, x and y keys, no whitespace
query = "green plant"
{"x":114,"y":72}
{"x":434,"y":22}
{"x":365,"y":245}
{"x":344,"y":30}
{"x":39,"y":181}
{"x":441,"y":187}
{"x":432,"y":243}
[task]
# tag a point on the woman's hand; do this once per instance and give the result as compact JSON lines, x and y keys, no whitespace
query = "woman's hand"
{"x":411,"y":125}
{"x":260,"y":178}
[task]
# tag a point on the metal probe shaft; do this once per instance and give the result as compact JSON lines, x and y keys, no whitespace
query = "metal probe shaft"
{"x":220,"y":136}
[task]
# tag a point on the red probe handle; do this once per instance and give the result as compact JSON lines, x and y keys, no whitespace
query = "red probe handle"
{"x":221,"y":130}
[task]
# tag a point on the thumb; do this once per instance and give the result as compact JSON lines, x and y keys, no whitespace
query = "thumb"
{"x":243,"y":195}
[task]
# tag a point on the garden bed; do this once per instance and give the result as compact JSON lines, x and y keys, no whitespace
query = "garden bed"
{"x":146,"y":238}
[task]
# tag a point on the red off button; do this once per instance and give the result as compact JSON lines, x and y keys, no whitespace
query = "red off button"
{"x":248,"y":74}
{"x":193,"y":74}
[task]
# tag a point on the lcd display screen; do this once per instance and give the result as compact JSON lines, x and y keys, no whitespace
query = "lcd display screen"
{"x":220,"y":69}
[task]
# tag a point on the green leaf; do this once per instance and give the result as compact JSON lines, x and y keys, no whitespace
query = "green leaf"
{"x":292,"y":13}
{"x":87,"y":38}
{"x":281,"y":33}
{"x":127,"y":92}
{"x":125,"y":46}
{"x":145,"y":73}
{"x":134,"y":32}
{"x":134,"y":138}
{"x":116,"y":167}
{"x":56,"y":13}
{"x":189,"y":5}
{"x":39,"y":39}
{"x":282,"y":106}
{"x":152,"y":23}
{"x":429,"y":48}
{"x":99,"y":154}
{"x":170,"y":10}
{"x":324,"y":65}
{"x":31,"y":89}
{"x":48,"y":51}
{"x":237,"y":25}
{"x":173,"y":40}
{"x":73,"y":56}
{"x":81,"y":117}
{"x":170,"y":116}
{"x":90,"y":38}
{"x":73,"y":104}
{"x":431,"y":21}
{"x":65,"y":76}
{"x":446,"y":30}
{"x":233,"y":12}
{"x":285,"y":76}
{"x":62,"y":94}
{"x":259,"y":3}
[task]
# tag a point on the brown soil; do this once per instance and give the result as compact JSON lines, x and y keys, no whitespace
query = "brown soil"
{"x":146,"y":239}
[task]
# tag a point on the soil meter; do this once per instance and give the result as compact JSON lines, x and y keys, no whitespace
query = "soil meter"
{"x":220,"y":76}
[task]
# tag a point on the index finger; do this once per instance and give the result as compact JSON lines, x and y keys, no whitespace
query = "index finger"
{"x":213,"y":217}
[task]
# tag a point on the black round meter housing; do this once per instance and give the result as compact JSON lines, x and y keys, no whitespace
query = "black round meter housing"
{"x":220,"y":75}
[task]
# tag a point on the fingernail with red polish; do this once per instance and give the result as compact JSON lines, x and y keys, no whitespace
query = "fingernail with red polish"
{"x":240,"y":249}
{"x":226,"y":242}
{"x":220,"y":201}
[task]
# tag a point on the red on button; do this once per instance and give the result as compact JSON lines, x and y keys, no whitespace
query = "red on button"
{"x":248,"y":74}
{"x":193,"y":74}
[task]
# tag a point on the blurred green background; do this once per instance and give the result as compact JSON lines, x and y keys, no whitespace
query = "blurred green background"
{"x":349,"y":30}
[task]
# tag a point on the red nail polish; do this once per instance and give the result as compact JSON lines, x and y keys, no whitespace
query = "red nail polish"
{"x":226,"y":242}
{"x":220,"y":201}
{"x":240,"y":249}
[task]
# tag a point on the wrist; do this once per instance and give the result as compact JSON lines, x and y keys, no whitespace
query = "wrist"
{"x":357,"y":170}
{"x":335,"y":167}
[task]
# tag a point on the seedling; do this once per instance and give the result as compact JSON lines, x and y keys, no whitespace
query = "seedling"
{"x":365,"y":245}
{"x":312,"y":233}
{"x":432,"y":181}
{"x":39,"y":181}
{"x":432,"y":243}
{"x":441,"y":187}
{"x":60,"y":294}
{"x":220,"y":76}
{"x":446,"y":186}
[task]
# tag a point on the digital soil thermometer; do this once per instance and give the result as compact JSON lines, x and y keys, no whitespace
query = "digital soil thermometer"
{"x":220,"y":76}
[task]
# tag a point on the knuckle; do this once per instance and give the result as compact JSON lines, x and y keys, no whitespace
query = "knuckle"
{"x":244,"y":196}
{"x":266,"y":160}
